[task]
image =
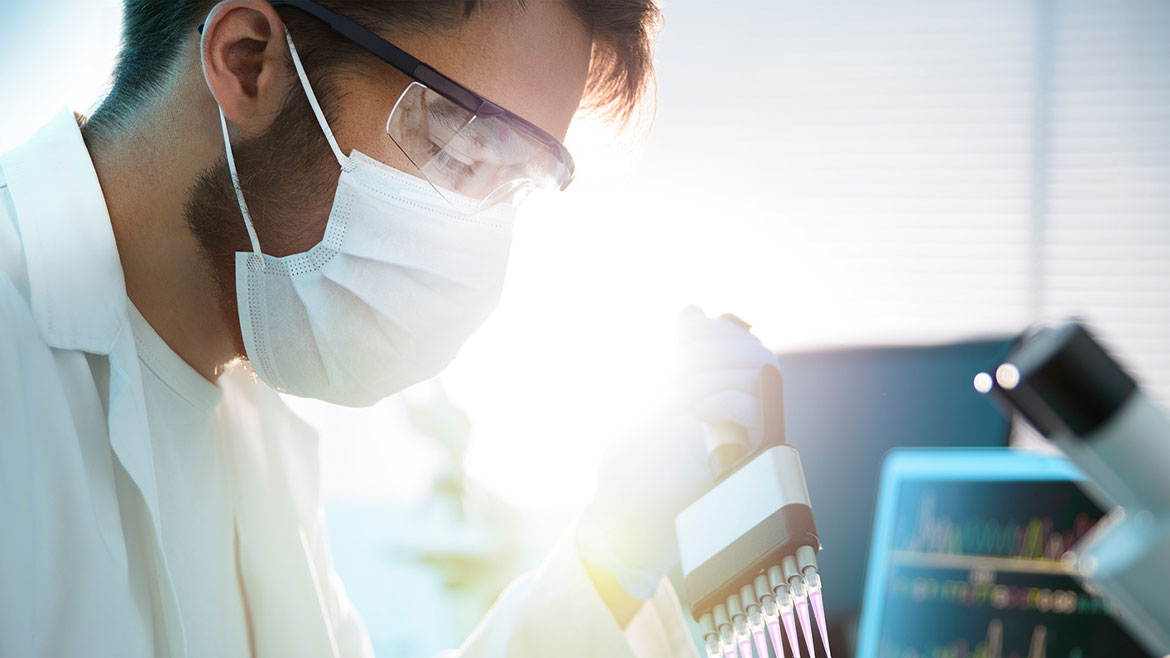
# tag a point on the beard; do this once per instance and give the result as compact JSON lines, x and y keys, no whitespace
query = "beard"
{"x":288,"y":176}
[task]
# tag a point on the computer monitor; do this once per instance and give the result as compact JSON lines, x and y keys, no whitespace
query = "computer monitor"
{"x":967,"y":561}
{"x":846,"y":408}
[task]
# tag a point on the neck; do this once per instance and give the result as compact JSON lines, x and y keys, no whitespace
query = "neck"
{"x":145,"y":173}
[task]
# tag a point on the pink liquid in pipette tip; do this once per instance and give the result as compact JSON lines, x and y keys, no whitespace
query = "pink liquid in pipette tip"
{"x":777,"y":641}
{"x":806,"y":626}
{"x":790,"y":631}
{"x":745,"y":648}
{"x":818,"y":606}
{"x":729,"y":652}
{"x":761,"y":643}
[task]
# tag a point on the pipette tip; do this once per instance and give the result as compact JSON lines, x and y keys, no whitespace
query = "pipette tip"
{"x":761,"y":643}
{"x":806,"y":626}
{"x":790,"y":631}
{"x":818,"y":606}
{"x":777,"y":641}
{"x":745,"y":648}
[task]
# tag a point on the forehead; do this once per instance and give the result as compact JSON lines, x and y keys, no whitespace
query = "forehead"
{"x":531,"y":58}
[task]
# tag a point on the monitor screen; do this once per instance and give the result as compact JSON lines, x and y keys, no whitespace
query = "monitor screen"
{"x":846,"y":408}
{"x":976,"y":570}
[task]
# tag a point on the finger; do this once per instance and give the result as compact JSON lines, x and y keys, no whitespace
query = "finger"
{"x":722,"y":327}
{"x":736,"y":320}
{"x":691,"y":323}
{"x":736,"y":407}
{"x":688,"y":314}
{"x":687,"y":391}
{"x":740,"y":351}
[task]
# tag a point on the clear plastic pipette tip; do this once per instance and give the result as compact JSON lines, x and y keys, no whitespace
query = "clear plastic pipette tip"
{"x":813,"y":580}
{"x":743,"y":636}
{"x":761,"y":641}
{"x":728,"y":641}
{"x":800,"y":599}
{"x":714,"y":650}
{"x":790,"y":631}
{"x":774,"y":634}
{"x":771,"y":613}
{"x":806,"y":625}
{"x":756,"y":624}
{"x":784,"y":600}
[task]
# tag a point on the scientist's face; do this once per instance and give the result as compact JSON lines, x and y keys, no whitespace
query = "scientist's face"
{"x":531,"y":58}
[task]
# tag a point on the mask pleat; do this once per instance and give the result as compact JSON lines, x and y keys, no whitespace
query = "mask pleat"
{"x":358,"y":349}
{"x":433,"y":307}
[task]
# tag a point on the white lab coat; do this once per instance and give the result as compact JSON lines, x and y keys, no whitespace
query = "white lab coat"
{"x":82,"y":572}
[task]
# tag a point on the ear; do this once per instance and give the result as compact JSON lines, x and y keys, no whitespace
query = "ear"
{"x":245,"y":57}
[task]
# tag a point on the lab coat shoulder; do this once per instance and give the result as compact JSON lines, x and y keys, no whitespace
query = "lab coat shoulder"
{"x":22,"y":351}
{"x":30,"y":380}
{"x":21,"y":343}
{"x":47,"y":399}
{"x":27,"y":369}
{"x":16,"y":459}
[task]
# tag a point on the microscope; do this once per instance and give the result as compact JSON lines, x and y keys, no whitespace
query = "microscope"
{"x":1064,"y":383}
{"x":749,"y":545}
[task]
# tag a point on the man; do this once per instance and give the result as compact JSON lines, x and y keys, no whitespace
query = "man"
{"x":286,"y":183}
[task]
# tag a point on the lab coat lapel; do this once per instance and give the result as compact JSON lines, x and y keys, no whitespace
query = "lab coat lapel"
{"x":130,"y":441}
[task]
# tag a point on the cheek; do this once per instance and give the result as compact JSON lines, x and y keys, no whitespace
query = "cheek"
{"x":363,"y":127}
{"x":292,"y":209}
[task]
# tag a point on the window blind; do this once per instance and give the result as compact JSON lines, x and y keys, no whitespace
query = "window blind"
{"x":931,"y":170}
{"x":1106,"y":228}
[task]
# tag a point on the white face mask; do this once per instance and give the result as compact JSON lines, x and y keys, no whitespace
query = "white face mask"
{"x":398,"y":282}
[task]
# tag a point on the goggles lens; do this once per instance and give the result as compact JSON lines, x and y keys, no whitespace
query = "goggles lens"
{"x":484,"y":160}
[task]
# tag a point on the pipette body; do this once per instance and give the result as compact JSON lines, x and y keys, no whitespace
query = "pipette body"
{"x":755,"y":523}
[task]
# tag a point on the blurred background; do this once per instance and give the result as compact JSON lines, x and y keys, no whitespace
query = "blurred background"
{"x":839,"y":174}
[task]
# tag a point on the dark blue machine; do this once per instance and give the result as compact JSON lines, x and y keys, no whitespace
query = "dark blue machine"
{"x":846,"y":408}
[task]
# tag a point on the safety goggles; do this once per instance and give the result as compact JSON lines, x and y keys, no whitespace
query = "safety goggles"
{"x":458,"y":140}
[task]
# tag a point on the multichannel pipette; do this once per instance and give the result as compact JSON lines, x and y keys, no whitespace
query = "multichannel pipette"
{"x":749,"y":545}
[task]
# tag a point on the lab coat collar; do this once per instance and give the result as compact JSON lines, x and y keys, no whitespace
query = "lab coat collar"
{"x":76,"y":289}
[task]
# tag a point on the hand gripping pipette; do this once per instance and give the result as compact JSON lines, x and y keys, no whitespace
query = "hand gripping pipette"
{"x":756,"y":521}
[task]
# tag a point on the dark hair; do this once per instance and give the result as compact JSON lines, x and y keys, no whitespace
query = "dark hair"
{"x":619,"y":83}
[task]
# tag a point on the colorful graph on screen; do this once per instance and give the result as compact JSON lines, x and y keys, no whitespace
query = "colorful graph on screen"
{"x":983,"y":570}
{"x":1035,"y":538}
{"x":991,"y":646}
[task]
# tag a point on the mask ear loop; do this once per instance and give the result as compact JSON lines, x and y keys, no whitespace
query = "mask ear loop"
{"x":231,"y":159}
{"x":227,"y":146}
{"x":342,"y":159}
